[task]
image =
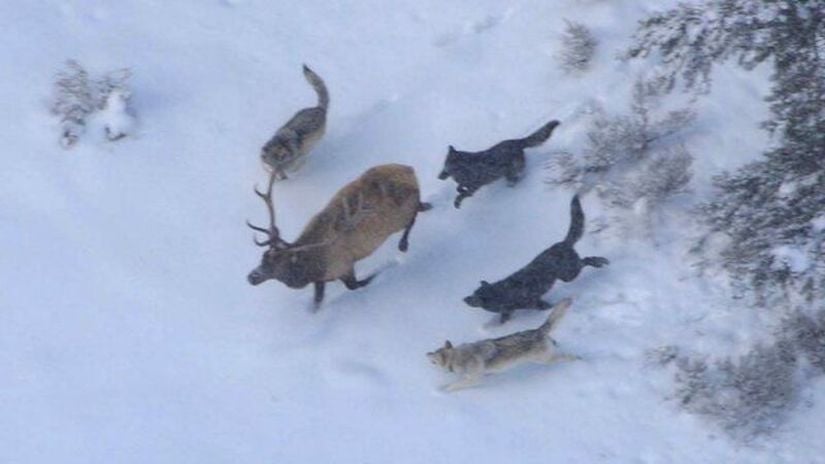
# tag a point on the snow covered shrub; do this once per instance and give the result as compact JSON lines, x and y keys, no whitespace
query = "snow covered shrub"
{"x":769,"y":215}
{"x":73,"y":102}
{"x":578,"y":47}
{"x":746,"y":396}
{"x":664,"y":173}
{"x":662,"y":355}
{"x":78,"y":99}
{"x":807,"y":334}
{"x":753,"y":394}
{"x":634,"y":161}
{"x":770,"y":212}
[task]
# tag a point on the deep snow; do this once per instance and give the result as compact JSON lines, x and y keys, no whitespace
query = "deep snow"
{"x":128,"y":332}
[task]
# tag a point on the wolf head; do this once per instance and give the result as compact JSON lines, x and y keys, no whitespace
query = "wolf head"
{"x":452,"y":155}
{"x":275,"y":153}
{"x":485,"y":296}
{"x":441,"y":357}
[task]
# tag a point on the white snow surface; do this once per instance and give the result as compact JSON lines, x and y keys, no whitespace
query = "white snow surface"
{"x":128,"y":333}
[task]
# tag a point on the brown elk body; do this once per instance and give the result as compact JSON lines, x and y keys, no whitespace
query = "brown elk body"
{"x":359,"y":218}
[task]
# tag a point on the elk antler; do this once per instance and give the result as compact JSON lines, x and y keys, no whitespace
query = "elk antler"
{"x":273,"y":233}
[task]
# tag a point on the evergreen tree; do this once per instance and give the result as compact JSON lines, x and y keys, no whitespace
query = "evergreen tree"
{"x":773,"y":210}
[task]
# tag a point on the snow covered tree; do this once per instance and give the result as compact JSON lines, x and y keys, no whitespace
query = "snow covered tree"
{"x":748,"y":396}
{"x":78,"y":98}
{"x":807,"y":334}
{"x":633,"y":161}
{"x":578,"y":47}
{"x":73,"y":102}
{"x":772,"y":210}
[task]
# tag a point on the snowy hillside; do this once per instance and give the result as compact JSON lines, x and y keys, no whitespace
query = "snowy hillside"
{"x":128,"y":332}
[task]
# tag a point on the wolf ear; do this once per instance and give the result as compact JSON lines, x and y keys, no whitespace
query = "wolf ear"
{"x":484,"y":283}
{"x":447,"y":344}
{"x":452,"y":149}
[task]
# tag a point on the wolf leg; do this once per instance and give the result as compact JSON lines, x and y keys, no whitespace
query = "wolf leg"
{"x":557,"y":357}
{"x":463,"y":192}
{"x":505,"y":316}
{"x":515,"y":172}
{"x":595,"y":261}
{"x":464,"y":382}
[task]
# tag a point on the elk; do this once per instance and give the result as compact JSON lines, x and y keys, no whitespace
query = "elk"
{"x":360,"y":217}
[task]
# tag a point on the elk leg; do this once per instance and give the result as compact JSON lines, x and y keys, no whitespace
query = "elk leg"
{"x":319,"y":294}
{"x":404,"y":243}
{"x":352,"y":283}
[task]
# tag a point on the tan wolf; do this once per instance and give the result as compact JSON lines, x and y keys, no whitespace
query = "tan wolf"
{"x":472,"y":360}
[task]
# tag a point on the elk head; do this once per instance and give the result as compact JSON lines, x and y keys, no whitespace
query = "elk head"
{"x":282,"y":261}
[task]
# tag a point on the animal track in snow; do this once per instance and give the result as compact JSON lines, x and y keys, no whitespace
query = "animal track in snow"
{"x":356,"y":374}
{"x":478,"y":26}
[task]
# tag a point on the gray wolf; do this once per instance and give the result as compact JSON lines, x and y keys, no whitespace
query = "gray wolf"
{"x":473,"y":170}
{"x":524,"y":288}
{"x":472,"y":360}
{"x":287,"y":149}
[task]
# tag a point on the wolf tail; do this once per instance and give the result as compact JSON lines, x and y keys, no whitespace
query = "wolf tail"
{"x":576,"y":222}
{"x":318,"y":84}
{"x":540,"y":136}
{"x":559,"y":310}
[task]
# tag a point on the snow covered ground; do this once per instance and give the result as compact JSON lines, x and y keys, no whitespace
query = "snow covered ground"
{"x":128,"y":332}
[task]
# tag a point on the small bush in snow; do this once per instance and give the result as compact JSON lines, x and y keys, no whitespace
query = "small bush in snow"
{"x":751,"y":395}
{"x":666,"y":172}
{"x":78,"y":99}
{"x":578,"y":47}
{"x":807,"y":334}
{"x":661,"y":356}
{"x":748,"y":396}
{"x":633,"y":161}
